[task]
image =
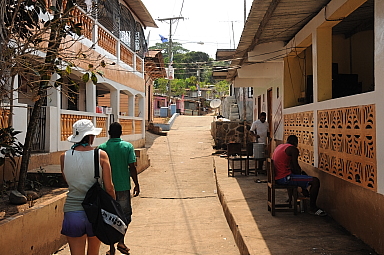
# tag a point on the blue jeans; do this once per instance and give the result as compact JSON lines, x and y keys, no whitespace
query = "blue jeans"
{"x":296,"y":180}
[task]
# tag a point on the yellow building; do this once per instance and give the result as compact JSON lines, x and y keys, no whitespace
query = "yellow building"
{"x":315,"y":67}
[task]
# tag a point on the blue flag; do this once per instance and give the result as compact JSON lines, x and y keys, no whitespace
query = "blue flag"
{"x":163,"y":39}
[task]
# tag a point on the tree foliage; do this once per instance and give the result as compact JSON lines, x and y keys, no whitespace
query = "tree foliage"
{"x":177,"y":86}
{"x":177,"y":50}
{"x":192,"y":69}
{"x":185,"y":62}
{"x":35,"y":45}
{"x":222,"y":88}
{"x":192,"y":63}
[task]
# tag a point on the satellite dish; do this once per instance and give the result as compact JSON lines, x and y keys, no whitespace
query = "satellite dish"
{"x":215,"y":103}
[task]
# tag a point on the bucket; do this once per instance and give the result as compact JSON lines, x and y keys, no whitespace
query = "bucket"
{"x":258,"y":150}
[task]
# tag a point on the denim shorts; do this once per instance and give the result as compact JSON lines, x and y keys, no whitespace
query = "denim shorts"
{"x":76,"y":224}
{"x":296,"y":180}
{"x":124,"y":199}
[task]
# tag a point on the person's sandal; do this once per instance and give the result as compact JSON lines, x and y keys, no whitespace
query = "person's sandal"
{"x":260,"y":181}
{"x":318,"y":212}
{"x":123,"y":248}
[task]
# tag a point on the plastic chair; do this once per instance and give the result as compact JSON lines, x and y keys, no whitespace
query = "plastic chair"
{"x":291,"y":206}
{"x":235,"y":158}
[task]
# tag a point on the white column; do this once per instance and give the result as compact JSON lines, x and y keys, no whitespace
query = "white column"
{"x":118,"y":51}
{"x":141,"y":107}
{"x":53,"y":93}
{"x":90,"y":95}
{"x":131,"y":105}
{"x":53,"y":116}
{"x":20,"y":111}
{"x":95,"y":32}
{"x":115,"y":103}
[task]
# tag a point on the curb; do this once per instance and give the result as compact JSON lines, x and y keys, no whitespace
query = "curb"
{"x":168,"y":126}
{"x":230,"y":219}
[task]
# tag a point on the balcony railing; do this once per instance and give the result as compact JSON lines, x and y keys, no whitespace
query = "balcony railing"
{"x":138,"y":126}
{"x":127,"y":125}
{"x":130,"y":125}
{"x":106,"y":40}
{"x":67,"y":121}
{"x":88,"y":23}
{"x":126,"y":55}
{"x":139,"y":64}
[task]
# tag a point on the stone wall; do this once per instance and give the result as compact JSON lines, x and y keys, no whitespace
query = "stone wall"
{"x":224,"y":132}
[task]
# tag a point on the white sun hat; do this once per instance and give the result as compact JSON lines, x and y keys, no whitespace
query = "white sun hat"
{"x":82,"y":128}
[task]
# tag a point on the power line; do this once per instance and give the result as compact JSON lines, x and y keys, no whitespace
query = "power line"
{"x":177,"y":24}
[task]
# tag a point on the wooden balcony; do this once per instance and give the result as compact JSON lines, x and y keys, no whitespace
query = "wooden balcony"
{"x":126,"y":55}
{"x":139,"y":64}
{"x":106,"y":40}
{"x":88,"y":23}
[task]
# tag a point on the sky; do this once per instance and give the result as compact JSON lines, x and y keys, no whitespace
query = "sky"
{"x":207,"y":24}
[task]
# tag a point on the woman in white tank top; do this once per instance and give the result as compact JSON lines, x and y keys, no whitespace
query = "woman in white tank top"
{"x":77,"y":166}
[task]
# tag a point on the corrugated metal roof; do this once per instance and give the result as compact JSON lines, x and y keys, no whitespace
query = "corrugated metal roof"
{"x":224,"y":54}
{"x":273,"y":20}
{"x":154,"y":64}
{"x":360,"y":20}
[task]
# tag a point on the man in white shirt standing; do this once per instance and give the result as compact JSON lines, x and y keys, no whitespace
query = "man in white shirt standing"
{"x":260,"y":129}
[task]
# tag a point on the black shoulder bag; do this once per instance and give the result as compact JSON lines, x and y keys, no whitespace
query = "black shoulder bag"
{"x":104,"y":213}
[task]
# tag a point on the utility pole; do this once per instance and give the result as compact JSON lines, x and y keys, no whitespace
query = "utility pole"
{"x":245,"y":11}
{"x":170,"y":56}
{"x":198,"y":91}
{"x":233,"y":33}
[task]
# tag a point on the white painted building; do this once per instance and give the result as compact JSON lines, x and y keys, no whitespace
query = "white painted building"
{"x":116,"y":35}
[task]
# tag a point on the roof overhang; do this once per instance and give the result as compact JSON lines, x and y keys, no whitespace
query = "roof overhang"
{"x":221,"y":72}
{"x":271,"y":21}
{"x":154,"y":64}
{"x":225,"y":54}
{"x":141,"y":12}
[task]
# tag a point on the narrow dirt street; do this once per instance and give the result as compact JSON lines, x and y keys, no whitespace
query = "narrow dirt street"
{"x":178,"y":211}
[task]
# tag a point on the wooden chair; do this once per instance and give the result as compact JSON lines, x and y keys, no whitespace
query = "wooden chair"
{"x":250,"y":158}
{"x":235,"y":158}
{"x":291,"y":206}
